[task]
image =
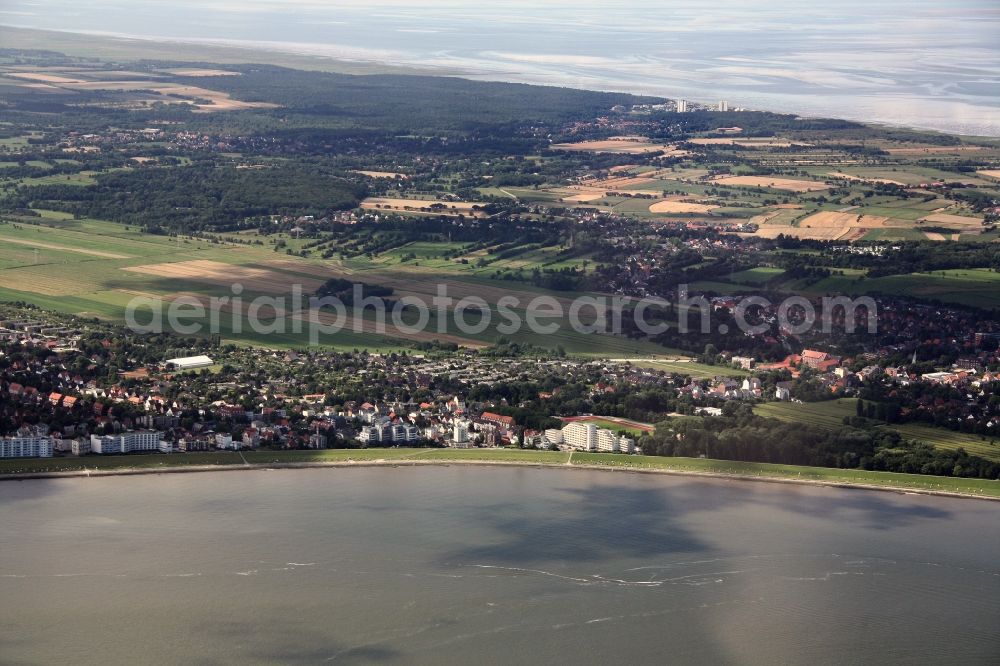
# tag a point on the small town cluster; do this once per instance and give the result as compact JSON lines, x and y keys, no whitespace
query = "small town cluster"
{"x":76,"y":387}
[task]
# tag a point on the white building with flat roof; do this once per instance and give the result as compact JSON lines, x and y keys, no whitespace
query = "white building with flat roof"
{"x":588,"y":437}
{"x":129,"y":442}
{"x":398,"y":433}
{"x":188,"y":363}
{"x":26,"y":447}
{"x":580,"y":436}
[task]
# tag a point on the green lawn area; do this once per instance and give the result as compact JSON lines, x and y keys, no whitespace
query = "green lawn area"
{"x":765,"y":470}
{"x":616,"y":427}
{"x":830,"y":415}
{"x":951,"y":440}
{"x":692,"y":369}
{"x":756,"y":276}
{"x":742,"y":469}
{"x":153,"y":461}
{"x":827,"y":415}
{"x":976,"y":287}
{"x":493,"y":455}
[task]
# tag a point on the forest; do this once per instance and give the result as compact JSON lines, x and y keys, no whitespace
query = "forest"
{"x":198,"y":197}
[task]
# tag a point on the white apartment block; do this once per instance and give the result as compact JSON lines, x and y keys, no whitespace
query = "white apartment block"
{"x":26,"y":447}
{"x":588,"y":437}
{"x":129,"y":442}
{"x":390,"y":434}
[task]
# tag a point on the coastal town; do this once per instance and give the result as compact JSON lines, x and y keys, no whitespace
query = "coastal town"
{"x":74,"y":387}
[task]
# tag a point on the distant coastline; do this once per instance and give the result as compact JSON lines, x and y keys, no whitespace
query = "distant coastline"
{"x":959,"y":116}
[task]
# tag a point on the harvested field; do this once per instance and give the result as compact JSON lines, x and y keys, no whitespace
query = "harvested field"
{"x":183,"y":71}
{"x":425,"y":206}
{"x":990,"y":173}
{"x":214,"y":272}
{"x":772,"y":182}
{"x":828,"y":219}
{"x":203,"y":99}
{"x":632,"y":145}
{"x":65,"y":248}
{"x":933,"y":150}
{"x":44,"y":78}
{"x":680,"y":207}
{"x":954,"y":220}
{"x":847,"y":176}
{"x":829,"y":225}
{"x":584,"y":197}
{"x":828,"y":233}
{"x":383,"y":174}
{"x":748,"y":143}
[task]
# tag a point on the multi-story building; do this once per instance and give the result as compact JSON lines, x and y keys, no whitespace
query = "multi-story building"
{"x":26,"y":447}
{"x":397,"y":433}
{"x":588,"y":437}
{"x":129,"y":442}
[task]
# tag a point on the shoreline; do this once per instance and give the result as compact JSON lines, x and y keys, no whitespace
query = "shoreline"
{"x":356,"y":60}
{"x":390,"y":462}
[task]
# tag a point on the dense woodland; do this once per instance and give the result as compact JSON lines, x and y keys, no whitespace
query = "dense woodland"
{"x":200,"y":196}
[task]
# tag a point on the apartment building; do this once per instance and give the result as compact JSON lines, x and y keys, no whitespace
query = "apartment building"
{"x":588,"y":437}
{"x":398,"y":433}
{"x":129,"y":442}
{"x":26,"y":447}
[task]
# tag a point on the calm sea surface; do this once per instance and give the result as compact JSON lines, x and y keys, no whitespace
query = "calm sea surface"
{"x":920,"y":63}
{"x":460,"y":565}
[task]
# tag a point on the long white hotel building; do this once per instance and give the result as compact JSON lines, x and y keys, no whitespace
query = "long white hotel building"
{"x":588,"y":437}
{"x":129,"y":442}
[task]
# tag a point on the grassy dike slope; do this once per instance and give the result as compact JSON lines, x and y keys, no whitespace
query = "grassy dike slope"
{"x":34,"y":468}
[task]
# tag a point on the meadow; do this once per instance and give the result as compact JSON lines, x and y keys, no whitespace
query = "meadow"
{"x":94,"y":268}
{"x":830,"y":415}
{"x":726,"y":468}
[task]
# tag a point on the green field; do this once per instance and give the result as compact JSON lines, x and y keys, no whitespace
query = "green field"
{"x":493,"y":455}
{"x":616,"y":427}
{"x":735,"y":469}
{"x":768,"y":471}
{"x":224,"y":458}
{"x":830,"y":415}
{"x":691,"y":368}
{"x":78,"y":267}
{"x":976,"y":287}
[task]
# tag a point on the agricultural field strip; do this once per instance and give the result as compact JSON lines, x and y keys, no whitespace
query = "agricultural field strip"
{"x":64,"y":248}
